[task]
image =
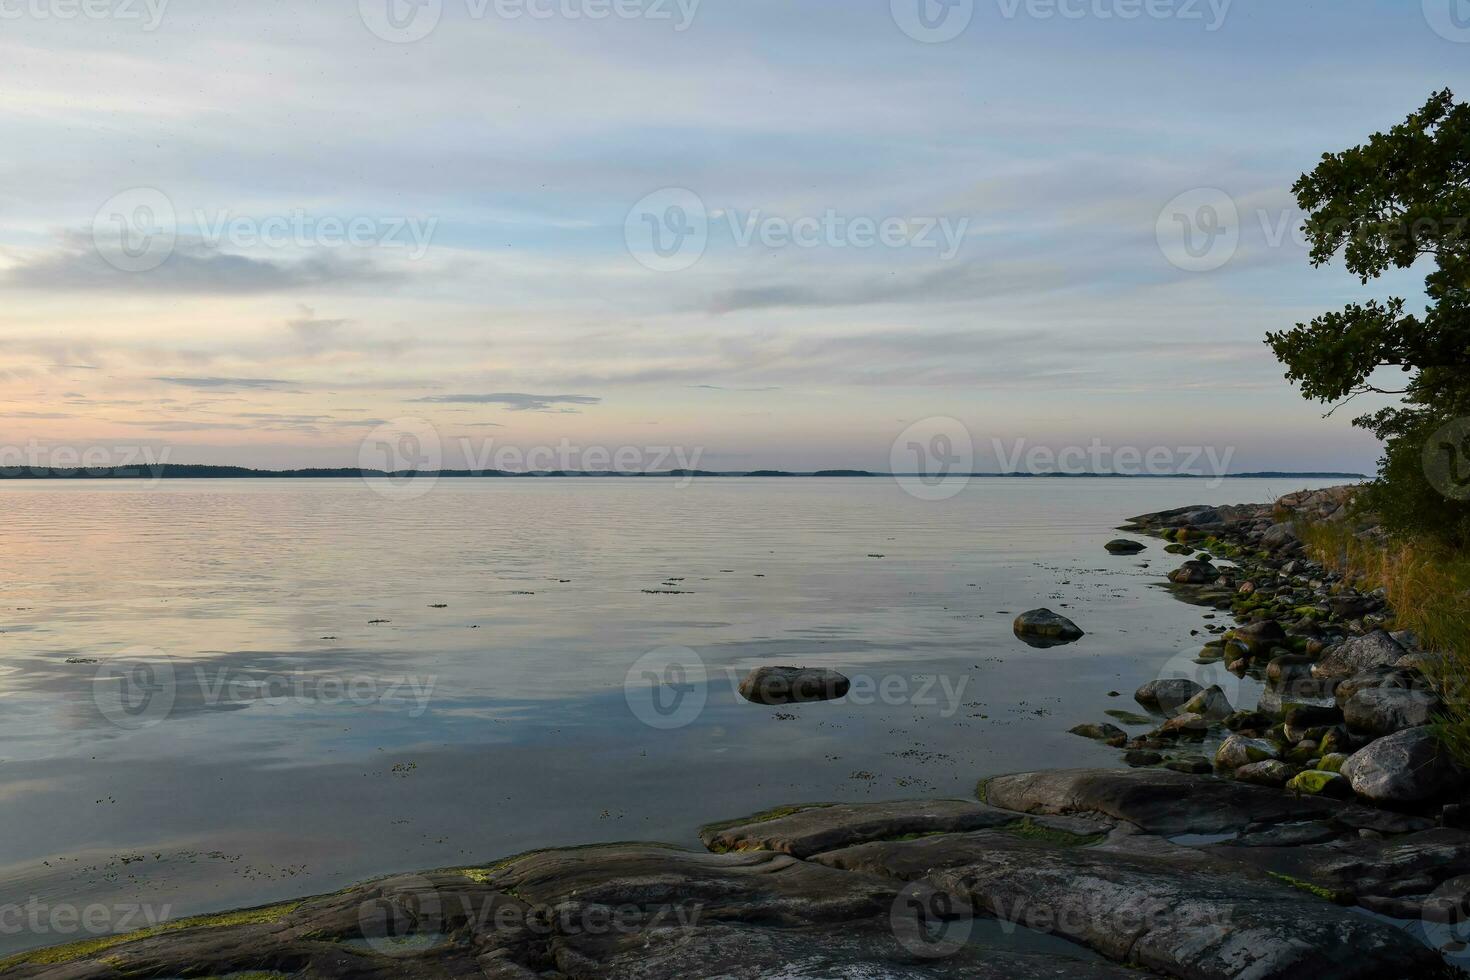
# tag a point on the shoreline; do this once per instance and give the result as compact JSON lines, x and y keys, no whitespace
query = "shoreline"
{"x":1079,"y":826}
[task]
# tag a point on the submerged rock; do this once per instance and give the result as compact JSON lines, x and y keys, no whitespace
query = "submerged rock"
{"x":793,"y":685}
{"x":1043,"y":627}
{"x":1123,"y":546}
{"x":1101,"y":732}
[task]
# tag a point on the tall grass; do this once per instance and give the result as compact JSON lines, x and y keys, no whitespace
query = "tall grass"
{"x":1428,"y":585}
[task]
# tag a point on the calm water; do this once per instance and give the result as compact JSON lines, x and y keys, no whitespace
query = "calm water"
{"x":283,"y":743}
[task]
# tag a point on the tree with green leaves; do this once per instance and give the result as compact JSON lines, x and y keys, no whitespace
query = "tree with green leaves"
{"x":1402,"y":197}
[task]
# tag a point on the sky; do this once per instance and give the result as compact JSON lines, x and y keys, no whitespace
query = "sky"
{"x":736,"y":234}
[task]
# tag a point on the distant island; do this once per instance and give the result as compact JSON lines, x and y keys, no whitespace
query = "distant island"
{"x":177,"y":471}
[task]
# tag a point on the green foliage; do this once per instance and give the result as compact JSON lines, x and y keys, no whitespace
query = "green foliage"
{"x":1402,"y":197}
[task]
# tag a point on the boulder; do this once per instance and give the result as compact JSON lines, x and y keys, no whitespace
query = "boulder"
{"x":1043,"y":627}
{"x":793,"y":685}
{"x":1280,"y":537}
{"x":1385,"y":710}
{"x":1358,"y":654}
{"x":1237,"y":751}
{"x":1376,"y":677}
{"x":1186,"y":725}
{"x":1259,"y":639}
{"x":1194,"y":573}
{"x":1211,"y":703}
{"x":1315,"y":782}
{"x":1123,"y":546}
{"x":1167,"y":694}
{"x":1271,"y":772}
{"x":1406,"y":767}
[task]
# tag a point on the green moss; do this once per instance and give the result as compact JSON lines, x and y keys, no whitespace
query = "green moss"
{"x":1331,"y":895}
{"x":980,"y":789}
{"x":1027,"y":830}
{"x":85,"y":948}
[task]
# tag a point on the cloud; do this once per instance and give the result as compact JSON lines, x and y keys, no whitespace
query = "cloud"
{"x":314,"y":332}
{"x":263,"y":384}
{"x":723,"y":388}
{"x":514,"y":401}
{"x":193,"y":268}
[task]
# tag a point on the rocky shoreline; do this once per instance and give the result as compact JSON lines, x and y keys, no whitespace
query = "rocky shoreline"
{"x":1318,"y":834}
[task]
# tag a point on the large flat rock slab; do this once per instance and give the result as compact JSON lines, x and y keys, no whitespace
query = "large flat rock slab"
{"x":802,"y":832}
{"x":1160,"y":801}
{"x":1194,"y":921}
{"x":615,"y":911}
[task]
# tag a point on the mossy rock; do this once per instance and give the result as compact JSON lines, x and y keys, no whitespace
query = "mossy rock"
{"x":1316,"y":782}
